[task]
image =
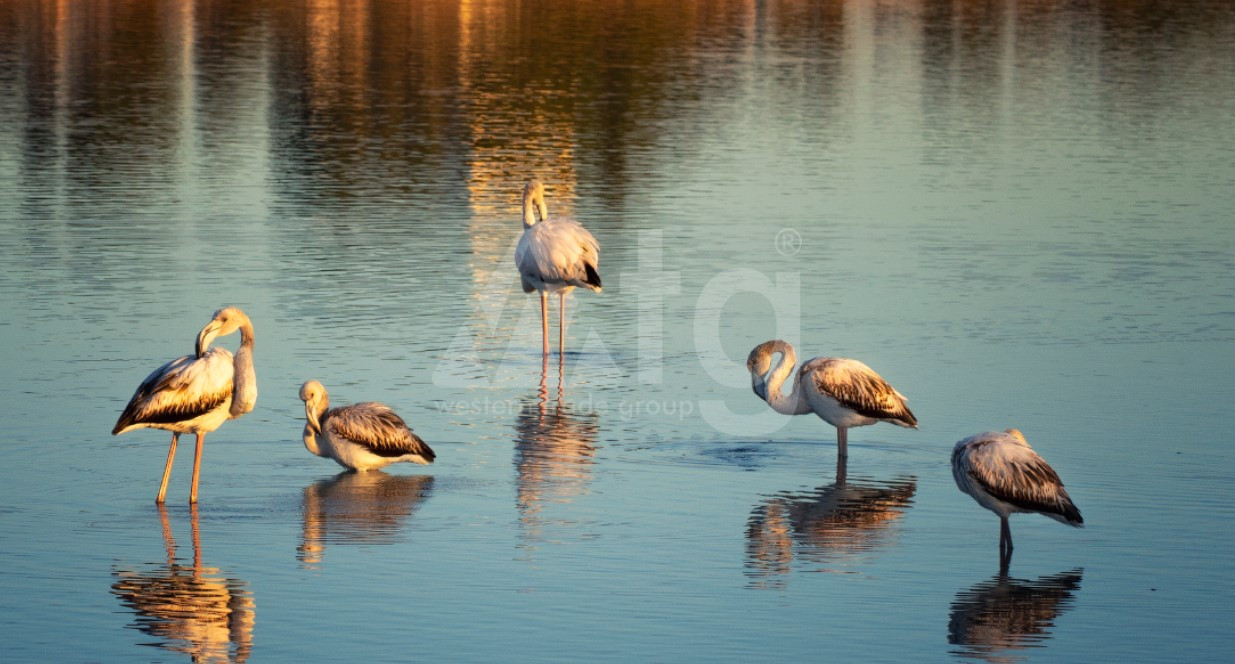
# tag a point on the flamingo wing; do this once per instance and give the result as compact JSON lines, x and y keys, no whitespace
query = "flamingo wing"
{"x":558,"y":252}
{"x":858,"y":388}
{"x":377,"y":428}
{"x":181,"y":390}
{"x":1012,"y":472}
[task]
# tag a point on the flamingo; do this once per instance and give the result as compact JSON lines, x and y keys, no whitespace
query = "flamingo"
{"x":196,"y":393}
{"x":1003,"y":474}
{"x":844,"y":393}
{"x":362,"y":436}
{"x":554,"y":256}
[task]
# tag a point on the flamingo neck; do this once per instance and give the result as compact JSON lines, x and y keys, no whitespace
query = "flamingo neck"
{"x":246,"y":336}
{"x":533,"y":203}
{"x":244,"y":378}
{"x":786,"y":404}
{"x":310,"y":441}
{"x":310,"y":434}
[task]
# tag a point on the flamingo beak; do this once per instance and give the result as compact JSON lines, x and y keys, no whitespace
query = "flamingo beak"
{"x":542,"y":208}
{"x":310,"y":414}
{"x":207,"y":335}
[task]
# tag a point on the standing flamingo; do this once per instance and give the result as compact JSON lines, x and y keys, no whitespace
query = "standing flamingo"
{"x":844,"y":393}
{"x":196,"y":393}
{"x":361,"y":436}
{"x":554,"y":256}
{"x":1003,"y":474}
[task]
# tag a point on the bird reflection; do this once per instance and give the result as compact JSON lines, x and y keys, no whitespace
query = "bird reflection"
{"x":832,"y":524}
{"x":554,"y":451}
{"x":358,"y":508}
{"x":189,"y":608}
{"x":1004,"y":614}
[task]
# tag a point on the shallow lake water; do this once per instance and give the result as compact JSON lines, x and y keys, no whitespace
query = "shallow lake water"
{"x":1019,"y":213}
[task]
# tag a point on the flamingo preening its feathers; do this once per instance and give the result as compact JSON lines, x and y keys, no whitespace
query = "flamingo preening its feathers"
{"x":362,"y":436}
{"x":196,"y":393}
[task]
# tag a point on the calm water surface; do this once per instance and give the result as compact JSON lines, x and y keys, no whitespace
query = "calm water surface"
{"x":1020,"y":213}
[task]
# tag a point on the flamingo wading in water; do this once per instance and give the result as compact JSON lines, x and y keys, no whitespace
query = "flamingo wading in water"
{"x":1003,"y":474}
{"x":196,"y":393}
{"x":554,"y":256}
{"x":362,"y":436}
{"x":844,"y":393}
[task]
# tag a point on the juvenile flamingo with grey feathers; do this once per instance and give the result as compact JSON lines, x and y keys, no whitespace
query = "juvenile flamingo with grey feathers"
{"x":1003,"y":474}
{"x":554,"y":256}
{"x":362,"y":436}
{"x":844,"y":393}
{"x":196,"y":393}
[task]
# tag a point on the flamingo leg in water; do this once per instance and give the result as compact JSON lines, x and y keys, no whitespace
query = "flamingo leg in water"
{"x":167,"y":470}
{"x":197,"y":466}
{"x":544,"y":323}
{"x":842,"y":442}
{"x":561,"y":325}
{"x":1005,"y":545}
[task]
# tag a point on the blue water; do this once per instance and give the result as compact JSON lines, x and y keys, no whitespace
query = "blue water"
{"x":1018,"y":213}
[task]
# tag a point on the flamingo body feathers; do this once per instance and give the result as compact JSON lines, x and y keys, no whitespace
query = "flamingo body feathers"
{"x":1005,"y":475}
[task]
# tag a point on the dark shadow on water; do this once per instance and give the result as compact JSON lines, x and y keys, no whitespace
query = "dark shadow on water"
{"x":1002,"y":615}
{"x":554,"y":453}
{"x":826,"y":529}
{"x":187,"y":606}
{"x":358,"y":508}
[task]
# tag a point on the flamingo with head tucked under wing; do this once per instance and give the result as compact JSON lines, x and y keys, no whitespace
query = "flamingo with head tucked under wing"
{"x":554,"y":255}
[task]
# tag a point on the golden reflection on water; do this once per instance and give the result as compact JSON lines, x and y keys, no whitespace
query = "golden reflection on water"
{"x":554,"y":453}
{"x":189,"y":608}
{"x":832,"y":526}
{"x":358,"y":508}
{"x":1003,"y":614}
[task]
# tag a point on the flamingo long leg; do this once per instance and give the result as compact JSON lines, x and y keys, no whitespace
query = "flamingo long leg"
{"x":561,"y":325}
{"x":1005,"y":544}
{"x":544,"y":323}
{"x":197,"y":466}
{"x":842,"y":442}
{"x":167,"y":470}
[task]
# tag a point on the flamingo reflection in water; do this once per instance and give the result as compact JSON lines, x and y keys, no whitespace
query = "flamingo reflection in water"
{"x":189,"y":609}
{"x":554,"y":450}
{"x":358,"y":508}
{"x":1004,"y":614}
{"x":835,"y":523}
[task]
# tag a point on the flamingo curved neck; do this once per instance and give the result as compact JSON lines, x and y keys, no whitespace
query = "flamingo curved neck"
{"x":244,"y":378}
{"x":534,"y":202}
{"x":786,"y":404}
{"x":312,"y":427}
{"x":310,"y":442}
